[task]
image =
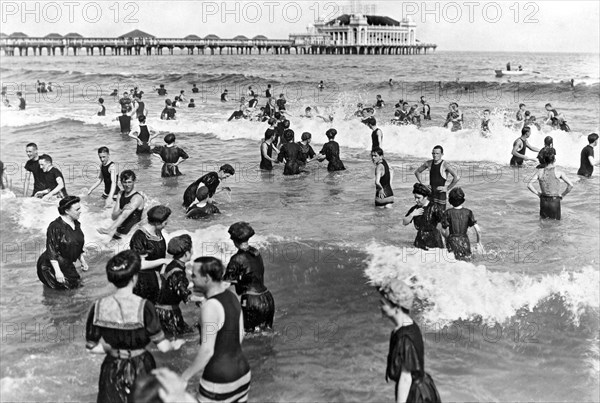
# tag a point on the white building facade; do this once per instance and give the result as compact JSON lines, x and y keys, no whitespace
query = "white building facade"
{"x":360,"y":30}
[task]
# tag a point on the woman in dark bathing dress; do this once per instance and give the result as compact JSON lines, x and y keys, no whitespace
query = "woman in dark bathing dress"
{"x":331,"y":152}
{"x":246,"y":270}
{"x":174,"y":288}
{"x":149,"y":243}
{"x":426,"y":219}
{"x":291,"y":152}
{"x":121,"y":326}
{"x":64,"y":247}
{"x":307,"y":152}
{"x":171,"y":156}
{"x":406,"y":356}
{"x":458,"y":220}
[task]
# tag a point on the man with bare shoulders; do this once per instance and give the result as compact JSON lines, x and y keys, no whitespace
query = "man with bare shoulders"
{"x":520,"y":145}
{"x":438,"y":175}
{"x":32,"y":166}
{"x":128,"y":209}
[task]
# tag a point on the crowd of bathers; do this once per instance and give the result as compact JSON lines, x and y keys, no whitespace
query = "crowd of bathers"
{"x":151,"y":279}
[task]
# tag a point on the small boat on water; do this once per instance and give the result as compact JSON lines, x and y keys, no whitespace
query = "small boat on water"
{"x":500,"y":73}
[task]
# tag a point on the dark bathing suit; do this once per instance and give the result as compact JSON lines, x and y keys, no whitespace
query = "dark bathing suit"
{"x":144,"y":137}
{"x":134,"y":218}
{"x":265,"y":163}
{"x":247,"y":269}
{"x":65,"y":245}
{"x":585,"y":168}
{"x":374,"y":140}
{"x":516,"y":161}
{"x":385,"y":183}
{"x":103,"y":111}
{"x":435,"y":180}
{"x":407,"y":352}
{"x":108,"y":181}
{"x":127,"y":325}
{"x":39,"y":181}
{"x":227,"y":370}
{"x":292,"y":154}
{"x":210,"y":180}
{"x":459,"y":221}
{"x":51,"y":182}
{"x":125,"y":122}
{"x":428,"y":235}
{"x":331,"y":151}
{"x":173,"y":291}
{"x":154,"y":248}
{"x":170,"y":155}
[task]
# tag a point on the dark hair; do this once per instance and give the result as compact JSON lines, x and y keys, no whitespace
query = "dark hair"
{"x":439,"y":147}
{"x":66,"y":203}
{"x":228,"y":169}
{"x":286,"y":124}
{"x":331,"y":133}
{"x":377,"y":150}
{"x":241,"y":232}
{"x":548,"y":104}
{"x":525,"y":130}
{"x":101,"y":100}
{"x":520,"y":105}
{"x":269,"y":134}
{"x":527,"y":113}
{"x":103,"y":150}
{"x":371,"y":121}
{"x":547,"y":156}
{"x":46,"y":157}
{"x":169,"y":138}
{"x":179,"y":246}
{"x":456,"y":197}
{"x":421,"y":189}
{"x":306,"y":136}
{"x":592,"y":138}
{"x":19,"y":93}
{"x":548,"y":141}
{"x":121,"y":268}
{"x":487,"y":110}
{"x":272,"y":121}
{"x":168,"y":102}
{"x":123,"y":110}
{"x":191,"y":99}
{"x":158,"y":215}
{"x":127,"y":174}
{"x":277,"y":115}
{"x":35,"y":145}
{"x":211,"y":267}
{"x":288,"y":135}
{"x":142,"y":119}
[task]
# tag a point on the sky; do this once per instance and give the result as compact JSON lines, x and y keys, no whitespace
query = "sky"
{"x":527,"y":26}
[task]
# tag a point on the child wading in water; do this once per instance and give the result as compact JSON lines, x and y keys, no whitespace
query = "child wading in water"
{"x":406,"y":356}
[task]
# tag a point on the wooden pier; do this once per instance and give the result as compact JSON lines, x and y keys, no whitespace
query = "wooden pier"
{"x":140,"y":43}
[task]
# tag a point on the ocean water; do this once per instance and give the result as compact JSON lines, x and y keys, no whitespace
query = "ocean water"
{"x":519,"y":323}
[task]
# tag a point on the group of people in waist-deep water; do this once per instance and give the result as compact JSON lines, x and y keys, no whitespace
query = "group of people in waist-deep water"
{"x":279,"y":145}
{"x":546,"y":174}
{"x":145,"y":306}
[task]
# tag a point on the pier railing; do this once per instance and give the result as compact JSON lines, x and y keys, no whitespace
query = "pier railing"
{"x":137,"y":46}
